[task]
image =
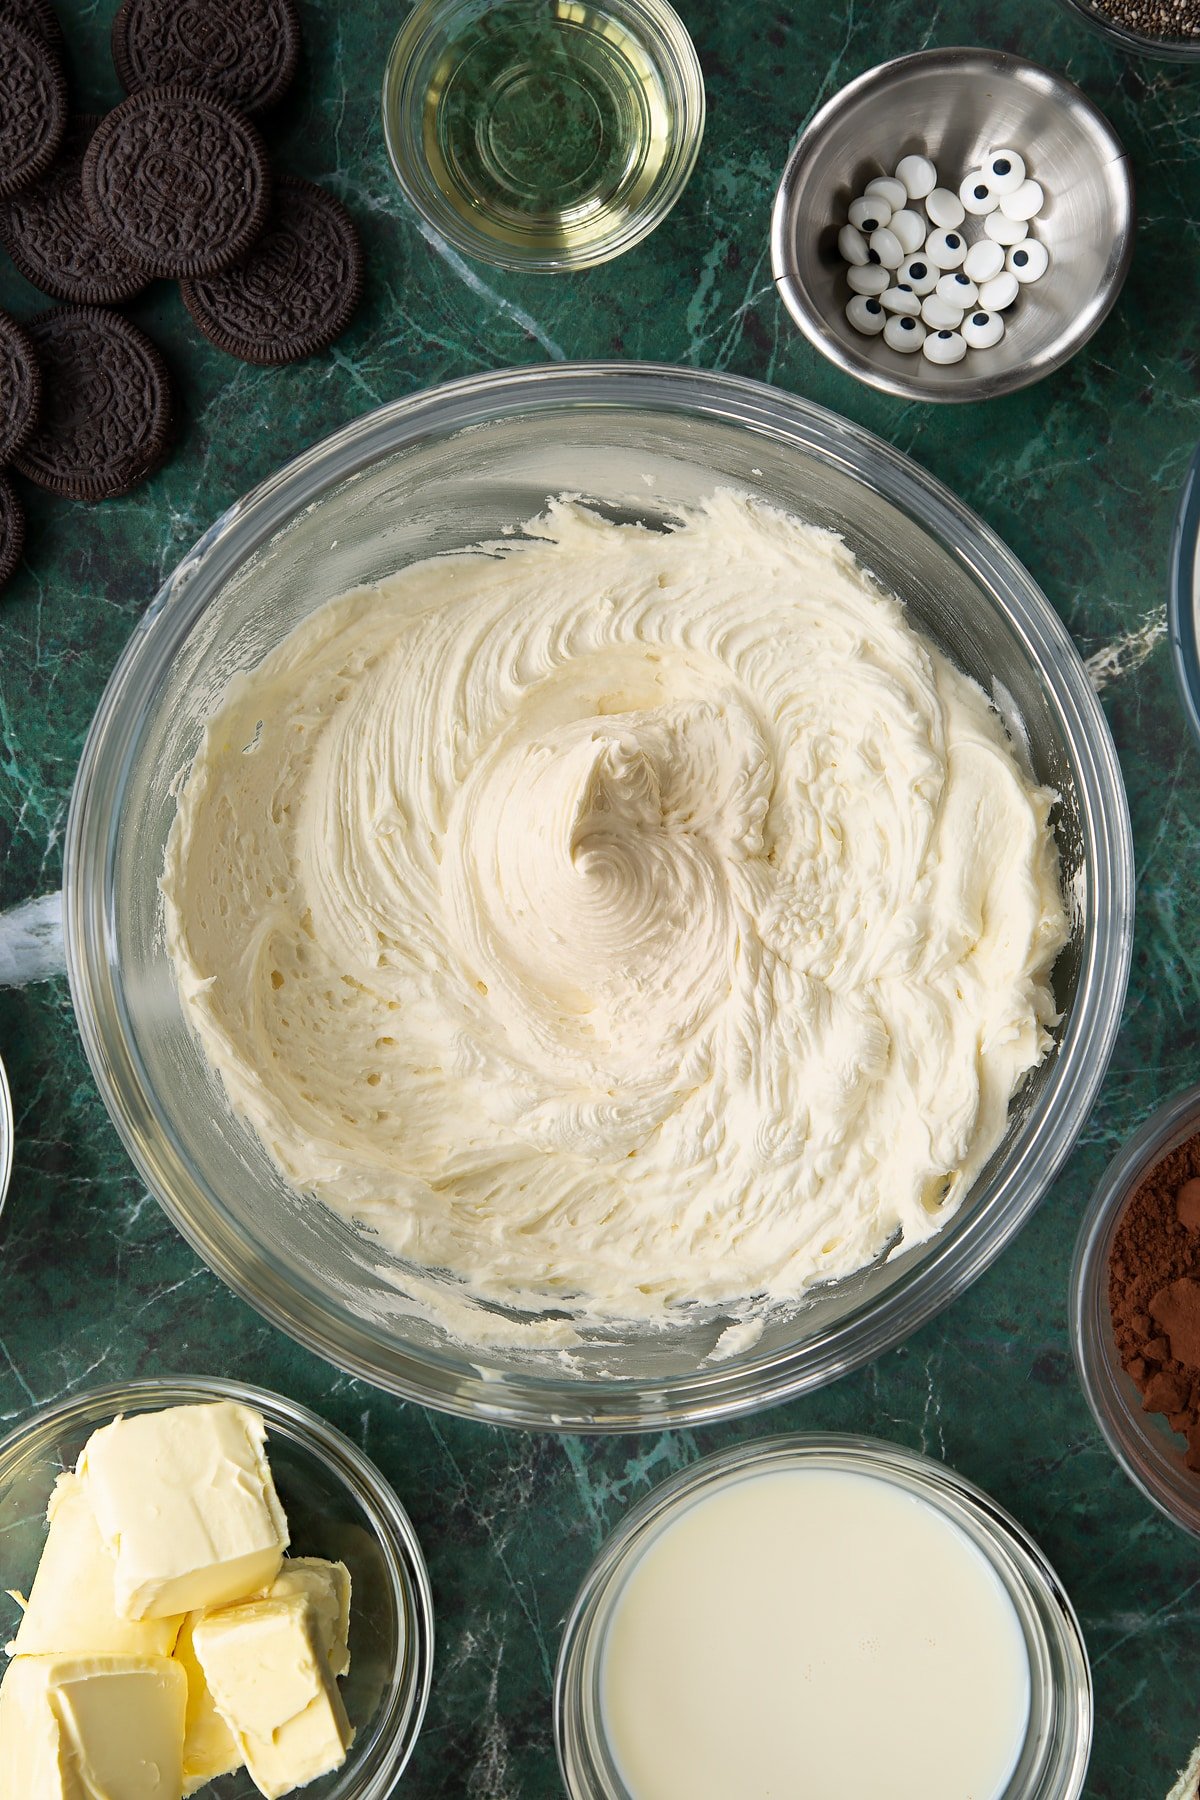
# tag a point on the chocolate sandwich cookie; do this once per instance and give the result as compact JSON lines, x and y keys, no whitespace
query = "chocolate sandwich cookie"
{"x":20,"y":387}
{"x":37,"y":17}
{"x":296,"y":289}
{"x":12,"y":531}
{"x":244,"y":51}
{"x":178,"y":181}
{"x":33,"y":107}
{"x":106,"y":416}
{"x":49,"y":234}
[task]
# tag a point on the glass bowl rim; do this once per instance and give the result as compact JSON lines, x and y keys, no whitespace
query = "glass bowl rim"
{"x":1142,"y":1451}
{"x":671,"y":47}
{"x":1183,"y":595}
{"x":354,"y":1470}
{"x":7,"y":1135}
{"x":736,"y":1385}
{"x":1134,"y":43}
{"x":858,"y":1452}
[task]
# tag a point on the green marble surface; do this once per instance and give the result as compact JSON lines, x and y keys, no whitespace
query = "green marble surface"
{"x":1079,"y":474}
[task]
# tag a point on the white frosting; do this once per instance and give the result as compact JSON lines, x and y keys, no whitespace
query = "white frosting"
{"x":618,"y":918}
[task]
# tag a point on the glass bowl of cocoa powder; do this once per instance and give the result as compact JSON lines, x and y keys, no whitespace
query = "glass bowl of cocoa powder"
{"x":1135,"y":1308}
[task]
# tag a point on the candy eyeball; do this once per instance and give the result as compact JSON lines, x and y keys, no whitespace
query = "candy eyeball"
{"x":1028,"y":261}
{"x":918,"y":273}
{"x":1003,"y":230}
{"x":853,"y":246}
{"x":894,"y":192}
{"x":904,"y":333}
{"x":976,"y":195}
{"x":944,"y":347}
{"x":947,"y":249}
{"x":1004,"y":171}
{"x":901,"y":300}
{"x":982,"y":330}
{"x":872,"y":278}
{"x":885,"y":247}
{"x":1025,"y":202}
{"x":866,"y":315}
{"x":939,"y":315}
{"x":918,"y":175}
{"x":957,"y":290}
{"x":910,"y":228}
{"x":984,"y":259}
{"x":945,"y":209}
{"x":999,"y":292}
{"x":870,"y":214}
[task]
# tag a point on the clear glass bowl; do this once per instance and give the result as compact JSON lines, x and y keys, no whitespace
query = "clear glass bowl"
{"x":338,"y":1506}
{"x":1183,"y":596}
{"x":440,"y":471}
{"x":1134,"y":43}
{"x":1054,"y":1757}
{"x":543,"y":135}
{"x":6,"y":1136}
{"x":1150,"y":1453}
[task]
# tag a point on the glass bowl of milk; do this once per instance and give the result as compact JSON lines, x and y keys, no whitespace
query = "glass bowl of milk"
{"x":823,"y":1614}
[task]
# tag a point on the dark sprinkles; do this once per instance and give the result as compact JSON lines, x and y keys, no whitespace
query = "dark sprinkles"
{"x":243,"y":51}
{"x":33,"y":107}
{"x":20,"y":387}
{"x":106,"y":420}
{"x":179,"y":181}
{"x":298,"y":287}
{"x":49,"y":235}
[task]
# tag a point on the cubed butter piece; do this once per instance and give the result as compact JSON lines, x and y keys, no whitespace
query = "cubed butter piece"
{"x":209,"y":1746}
{"x":72,"y":1607}
{"x":92,"y":1728}
{"x":326,"y":1587}
{"x":271,"y":1680}
{"x":185,"y":1501}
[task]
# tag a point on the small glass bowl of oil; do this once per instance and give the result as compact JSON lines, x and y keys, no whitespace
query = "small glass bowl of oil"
{"x":543,"y":134}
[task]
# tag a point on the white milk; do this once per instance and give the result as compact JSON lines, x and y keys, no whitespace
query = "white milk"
{"x":809,"y":1634}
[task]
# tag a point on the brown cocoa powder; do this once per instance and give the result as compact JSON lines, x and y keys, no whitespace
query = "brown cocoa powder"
{"x":1154,"y":1291}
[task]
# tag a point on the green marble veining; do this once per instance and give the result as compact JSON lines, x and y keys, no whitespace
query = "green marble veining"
{"x":1079,"y":474}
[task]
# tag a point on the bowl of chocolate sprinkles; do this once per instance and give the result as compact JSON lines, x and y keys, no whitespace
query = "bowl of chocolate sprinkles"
{"x":1135,"y":1308}
{"x":1167,"y":29}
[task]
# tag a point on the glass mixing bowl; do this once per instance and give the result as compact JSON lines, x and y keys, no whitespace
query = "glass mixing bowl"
{"x":338,"y":1506}
{"x":437,"y":472}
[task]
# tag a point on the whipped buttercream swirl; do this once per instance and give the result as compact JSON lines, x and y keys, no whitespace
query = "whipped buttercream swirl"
{"x":619,"y":919}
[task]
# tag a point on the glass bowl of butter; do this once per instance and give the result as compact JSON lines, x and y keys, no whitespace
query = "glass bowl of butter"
{"x":208,"y":1590}
{"x":352,"y":555}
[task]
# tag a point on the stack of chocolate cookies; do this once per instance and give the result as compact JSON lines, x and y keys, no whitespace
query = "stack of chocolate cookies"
{"x":175,"y":183}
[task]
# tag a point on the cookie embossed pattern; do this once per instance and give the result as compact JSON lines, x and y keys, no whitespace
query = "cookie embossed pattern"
{"x":179,"y":180}
{"x":243,"y":51}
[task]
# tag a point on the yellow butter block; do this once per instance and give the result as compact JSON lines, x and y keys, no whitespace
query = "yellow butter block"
{"x":81,"y":1727}
{"x":270,"y":1677}
{"x":186,"y":1503}
{"x":72,"y":1605}
{"x":326,"y":1587}
{"x":209,"y":1747}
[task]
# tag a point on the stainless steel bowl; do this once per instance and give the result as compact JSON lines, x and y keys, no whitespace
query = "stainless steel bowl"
{"x":440,"y":471}
{"x":954,"y":106}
